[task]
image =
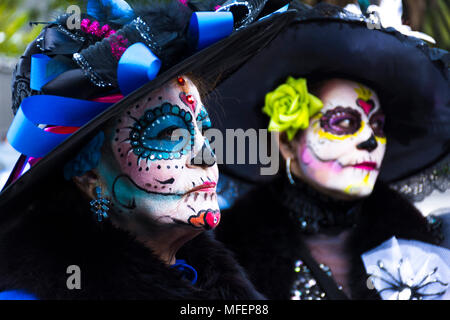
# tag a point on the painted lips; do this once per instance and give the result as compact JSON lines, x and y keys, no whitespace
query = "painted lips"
{"x":207,"y":186}
{"x":366,"y":165}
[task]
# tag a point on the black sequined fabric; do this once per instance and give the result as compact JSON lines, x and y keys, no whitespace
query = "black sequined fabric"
{"x":315,"y":212}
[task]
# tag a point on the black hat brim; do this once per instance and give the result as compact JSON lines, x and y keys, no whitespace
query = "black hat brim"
{"x":211,"y":65}
{"x":410,"y":78}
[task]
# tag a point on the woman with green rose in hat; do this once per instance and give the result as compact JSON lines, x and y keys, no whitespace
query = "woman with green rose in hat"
{"x":349,"y":115}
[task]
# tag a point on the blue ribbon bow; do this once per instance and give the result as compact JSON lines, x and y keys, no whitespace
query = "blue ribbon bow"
{"x":137,"y":66}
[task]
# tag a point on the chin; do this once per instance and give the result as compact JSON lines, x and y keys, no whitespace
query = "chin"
{"x":345,"y":187}
{"x":202,"y":209}
{"x":358,"y":191}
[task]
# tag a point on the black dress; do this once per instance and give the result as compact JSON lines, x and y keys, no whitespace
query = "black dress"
{"x":266,"y":229}
{"x":40,"y":242}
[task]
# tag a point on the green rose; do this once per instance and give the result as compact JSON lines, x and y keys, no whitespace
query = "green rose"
{"x":290,"y":106}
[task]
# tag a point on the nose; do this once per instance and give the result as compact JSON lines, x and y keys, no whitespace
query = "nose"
{"x":205,"y":157}
{"x":369,"y":145}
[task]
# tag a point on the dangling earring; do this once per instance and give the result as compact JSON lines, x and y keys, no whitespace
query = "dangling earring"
{"x":99,"y":206}
{"x":288,"y":170}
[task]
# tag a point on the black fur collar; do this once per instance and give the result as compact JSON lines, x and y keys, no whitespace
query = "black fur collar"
{"x":315,"y":212}
{"x":267,"y":243}
{"x":37,"y":248}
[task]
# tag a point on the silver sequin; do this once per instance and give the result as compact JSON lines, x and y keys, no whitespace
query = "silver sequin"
{"x":305,"y":287}
{"x":146,"y":35}
{"x":89,"y":71}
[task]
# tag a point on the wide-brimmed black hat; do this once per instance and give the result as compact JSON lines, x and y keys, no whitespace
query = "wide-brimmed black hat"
{"x":410,"y":78}
{"x":90,"y":70}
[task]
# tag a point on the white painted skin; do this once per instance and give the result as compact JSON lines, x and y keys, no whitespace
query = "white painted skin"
{"x":164,"y":203}
{"x":326,"y":160}
{"x":162,"y":215}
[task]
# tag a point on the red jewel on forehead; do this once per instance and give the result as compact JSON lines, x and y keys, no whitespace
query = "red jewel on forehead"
{"x":367,"y":106}
{"x":181,"y":81}
{"x":188,"y":100}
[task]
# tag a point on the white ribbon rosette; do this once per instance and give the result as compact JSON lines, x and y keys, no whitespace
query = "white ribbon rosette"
{"x":409,"y":270}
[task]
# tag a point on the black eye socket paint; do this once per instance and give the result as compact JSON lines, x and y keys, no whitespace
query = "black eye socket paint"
{"x":377,"y":124}
{"x":332,"y":119}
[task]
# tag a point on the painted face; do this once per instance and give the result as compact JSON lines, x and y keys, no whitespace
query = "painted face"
{"x":152,"y":173}
{"x":344,"y":145}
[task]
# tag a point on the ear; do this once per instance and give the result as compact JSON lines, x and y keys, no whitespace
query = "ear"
{"x":87,"y":183}
{"x":287,"y":148}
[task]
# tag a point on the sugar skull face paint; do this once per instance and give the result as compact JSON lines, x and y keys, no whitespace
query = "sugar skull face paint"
{"x":151,"y":175}
{"x":343,"y":148}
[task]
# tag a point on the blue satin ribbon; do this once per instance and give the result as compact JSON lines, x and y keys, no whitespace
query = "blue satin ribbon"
{"x":206,"y":28}
{"x":39,"y":75}
{"x":187,"y":271}
{"x":137,"y":66}
{"x":17,"y":295}
{"x":25,"y":135}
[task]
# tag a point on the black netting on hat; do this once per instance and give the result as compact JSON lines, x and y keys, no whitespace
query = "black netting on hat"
{"x":58,"y":42}
{"x":162,"y":28}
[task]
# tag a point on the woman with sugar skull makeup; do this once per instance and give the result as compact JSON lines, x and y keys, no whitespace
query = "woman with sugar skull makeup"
{"x":352,"y":108}
{"x":122,"y":183}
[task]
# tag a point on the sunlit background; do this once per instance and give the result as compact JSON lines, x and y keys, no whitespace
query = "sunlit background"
{"x":21,"y":22}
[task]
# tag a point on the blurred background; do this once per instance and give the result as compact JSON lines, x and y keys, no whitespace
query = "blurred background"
{"x":20,"y":24}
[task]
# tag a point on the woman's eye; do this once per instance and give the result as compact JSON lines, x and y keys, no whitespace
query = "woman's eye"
{"x":341,"y":121}
{"x":167,"y":133}
{"x":344,"y":123}
{"x":377,"y":124}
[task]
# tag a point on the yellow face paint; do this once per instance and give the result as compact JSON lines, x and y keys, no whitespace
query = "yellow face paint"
{"x":364,"y":183}
{"x":381,"y":140}
{"x":363,"y":93}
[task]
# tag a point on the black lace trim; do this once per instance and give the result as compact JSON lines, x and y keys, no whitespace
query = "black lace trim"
{"x":418,"y":187}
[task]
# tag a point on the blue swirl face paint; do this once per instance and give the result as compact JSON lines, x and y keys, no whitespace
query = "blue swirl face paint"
{"x":151,"y":137}
{"x":203,"y":118}
{"x":154,"y":143}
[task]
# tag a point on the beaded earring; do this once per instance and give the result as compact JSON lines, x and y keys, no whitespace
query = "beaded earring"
{"x":99,"y":206}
